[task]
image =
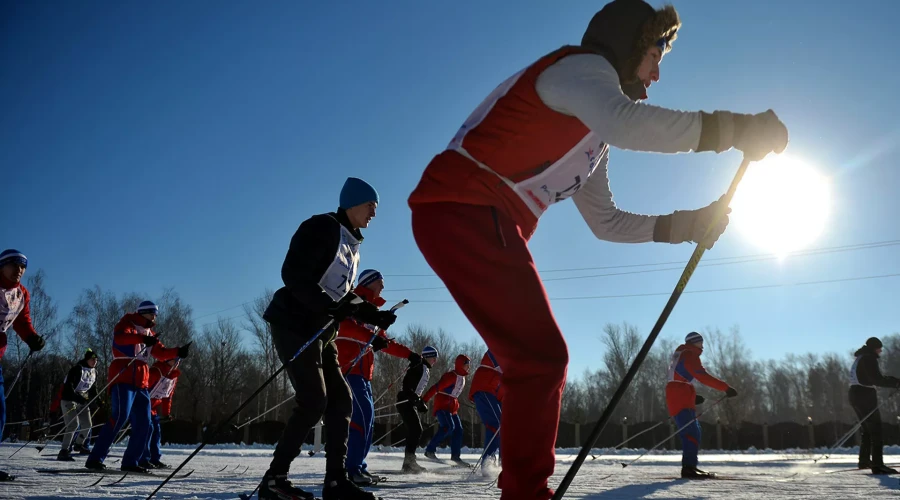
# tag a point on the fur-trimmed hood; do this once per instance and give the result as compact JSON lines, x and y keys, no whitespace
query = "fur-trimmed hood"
{"x":623,"y":30}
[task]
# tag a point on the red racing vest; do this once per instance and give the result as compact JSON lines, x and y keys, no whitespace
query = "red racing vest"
{"x":513,"y":152}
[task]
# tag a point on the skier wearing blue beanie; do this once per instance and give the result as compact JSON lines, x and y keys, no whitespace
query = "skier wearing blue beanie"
{"x":319,"y":270}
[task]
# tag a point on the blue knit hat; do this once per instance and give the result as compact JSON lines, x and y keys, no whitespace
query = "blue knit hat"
{"x":356,"y":192}
{"x":147,"y":307}
{"x":429,"y":352}
{"x":693,"y":338}
{"x":369,"y":276}
{"x":13,"y":256}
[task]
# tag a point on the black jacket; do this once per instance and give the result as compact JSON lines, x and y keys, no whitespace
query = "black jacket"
{"x":411,"y":381}
{"x":301,"y":304}
{"x":868,"y":372}
{"x":72,"y":380}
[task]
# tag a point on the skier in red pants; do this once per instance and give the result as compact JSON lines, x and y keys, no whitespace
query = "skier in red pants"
{"x":540,"y":137}
{"x":685,"y":369}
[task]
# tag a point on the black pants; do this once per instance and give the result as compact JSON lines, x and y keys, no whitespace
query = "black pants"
{"x":864,"y":400}
{"x":411,"y":420}
{"x":320,"y":390}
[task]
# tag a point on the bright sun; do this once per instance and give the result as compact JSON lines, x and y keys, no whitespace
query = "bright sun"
{"x":781,"y":204}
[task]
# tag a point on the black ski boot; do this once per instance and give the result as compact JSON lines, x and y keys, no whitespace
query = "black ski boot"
{"x":160,"y":465}
{"x":146,"y":465}
{"x":695,"y":473}
{"x":882,"y":470}
{"x":864,"y":465}
{"x":133,"y":468}
{"x":81,"y":449}
{"x":341,"y":488}
{"x":4,"y":476}
{"x":95,"y":465}
{"x":65,"y":456}
{"x":460,"y":462}
{"x":279,"y":488}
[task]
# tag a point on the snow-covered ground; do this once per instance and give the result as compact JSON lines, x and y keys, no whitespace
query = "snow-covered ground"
{"x":756,"y":474}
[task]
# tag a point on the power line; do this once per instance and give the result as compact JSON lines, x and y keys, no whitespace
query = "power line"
{"x":719,"y":261}
{"x":859,"y":246}
{"x":759,"y":258}
{"x":710,"y":290}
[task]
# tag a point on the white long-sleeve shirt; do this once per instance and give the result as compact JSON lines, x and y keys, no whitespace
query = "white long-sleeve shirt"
{"x":586,"y":86}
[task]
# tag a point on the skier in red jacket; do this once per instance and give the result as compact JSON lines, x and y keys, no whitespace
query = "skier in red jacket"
{"x":354,"y":336}
{"x":542,"y":136}
{"x":685,"y":369}
{"x":163,"y":379}
{"x":15,"y":312}
{"x":487,"y":393}
{"x":134,"y":343}
{"x":446,"y":405}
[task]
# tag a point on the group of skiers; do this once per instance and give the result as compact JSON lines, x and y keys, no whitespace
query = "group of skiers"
{"x":542,"y":136}
{"x":139,"y":394}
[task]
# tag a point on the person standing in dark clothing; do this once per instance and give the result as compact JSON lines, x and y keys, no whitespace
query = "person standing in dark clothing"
{"x":319,"y":271}
{"x":410,"y":404}
{"x":79,"y":389}
{"x":865,"y":376}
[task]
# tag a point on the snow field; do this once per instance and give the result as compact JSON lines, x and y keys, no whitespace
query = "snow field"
{"x":218,"y":474}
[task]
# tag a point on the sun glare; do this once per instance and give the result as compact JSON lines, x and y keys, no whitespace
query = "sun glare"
{"x":781,"y":204}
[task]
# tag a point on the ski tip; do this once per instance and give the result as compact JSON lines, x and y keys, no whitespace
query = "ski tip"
{"x":624,"y":465}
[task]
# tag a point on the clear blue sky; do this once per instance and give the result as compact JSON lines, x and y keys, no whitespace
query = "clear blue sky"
{"x":146,"y":145}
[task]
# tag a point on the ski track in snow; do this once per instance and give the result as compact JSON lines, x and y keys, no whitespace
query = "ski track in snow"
{"x":759,"y":474}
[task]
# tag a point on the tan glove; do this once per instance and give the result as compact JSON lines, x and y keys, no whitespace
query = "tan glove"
{"x":755,"y":135}
{"x":691,"y":225}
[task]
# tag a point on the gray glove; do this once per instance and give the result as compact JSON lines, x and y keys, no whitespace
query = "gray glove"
{"x":690,"y":225}
{"x":755,"y":135}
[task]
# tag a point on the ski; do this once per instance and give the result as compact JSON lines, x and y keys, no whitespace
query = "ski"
{"x":106,"y":472}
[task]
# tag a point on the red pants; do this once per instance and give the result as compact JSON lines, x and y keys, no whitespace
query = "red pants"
{"x":485,"y":263}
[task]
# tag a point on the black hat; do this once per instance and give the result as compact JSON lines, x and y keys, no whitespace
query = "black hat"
{"x":874,"y":343}
{"x":89,"y":354}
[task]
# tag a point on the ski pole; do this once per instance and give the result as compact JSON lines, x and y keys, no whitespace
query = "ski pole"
{"x":616,"y":447}
{"x":21,"y":369}
{"x":254,"y":419}
{"x":484,"y":453}
{"x":208,"y":436}
{"x":657,"y":329}
{"x":390,"y":405}
{"x":385,"y":416}
{"x":855,"y":428}
{"x":670,"y":436}
{"x":100,"y":392}
{"x":386,"y":391}
{"x":46,"y":428}
{"x":365,"y":348}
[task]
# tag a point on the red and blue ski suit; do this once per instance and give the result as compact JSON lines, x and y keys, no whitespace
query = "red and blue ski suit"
{"x":15,"y":312}
{"x":129,"y":385}
{"x":352,"y":337}
{"x":163,"y":379}
{"x":487,"y":393}
{"x":685,"y":369}
{"x":446,"y":405}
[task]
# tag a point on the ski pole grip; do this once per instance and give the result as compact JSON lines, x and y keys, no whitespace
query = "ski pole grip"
{"x":399,"y":305}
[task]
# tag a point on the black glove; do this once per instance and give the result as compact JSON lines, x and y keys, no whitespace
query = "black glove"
{"x":370,"y":314}
{"x":346,"y":307}
{"x":150,"y":340}
{"x":421,"y":407}
{"x":755,"y":135}
{"x":730,"y":392}
{"x":184,"y":350}
{"x":379,"y":343}
{"x":414,"y":359}
{"x":691,"y":225}
{"x":698,"y":400}
{"x":36,"y":343}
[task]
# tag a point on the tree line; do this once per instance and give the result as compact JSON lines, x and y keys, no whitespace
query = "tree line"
{"x":231,"y":357}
